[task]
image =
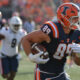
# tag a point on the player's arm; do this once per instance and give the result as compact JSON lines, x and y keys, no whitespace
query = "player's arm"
{"x":23,"y":33}
{"x":34,"y":37}
{"x":19,"y":50}
{"x":46,"y":33}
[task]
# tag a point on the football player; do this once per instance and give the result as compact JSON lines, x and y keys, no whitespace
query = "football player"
{"x":60,"y":38}
{"x":11,"y":41}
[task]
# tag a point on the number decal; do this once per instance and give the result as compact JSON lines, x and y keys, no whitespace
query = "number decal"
{"x":13,"y":44}
{"x":46,"y":29}
{"x":68,"y":49}
{"x":62,"y":48}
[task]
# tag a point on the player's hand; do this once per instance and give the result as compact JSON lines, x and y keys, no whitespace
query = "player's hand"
{"x":37,"y":59}
{"x":75,"y":48}
{"x":19,"y":56}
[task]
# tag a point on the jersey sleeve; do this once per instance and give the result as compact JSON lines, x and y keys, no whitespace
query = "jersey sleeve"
{"x":23,"y":33}
{"x":50,"y":29}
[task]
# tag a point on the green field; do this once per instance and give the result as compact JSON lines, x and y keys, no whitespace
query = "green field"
{"x":26,"y":71}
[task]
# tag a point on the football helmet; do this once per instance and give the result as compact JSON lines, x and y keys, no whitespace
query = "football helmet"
{"x":15,"y":23}
{"x":68,"y":15}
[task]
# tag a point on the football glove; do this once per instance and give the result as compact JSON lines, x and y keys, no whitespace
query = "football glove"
{"x":19,"y":56}
{"x":37,"y":59}
{"x":75,"y":48}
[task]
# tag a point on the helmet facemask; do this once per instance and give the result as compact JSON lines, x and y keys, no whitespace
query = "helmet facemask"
{"x":74,"y":22}
{"x":15,"y":28}
{"x":15,"y":24}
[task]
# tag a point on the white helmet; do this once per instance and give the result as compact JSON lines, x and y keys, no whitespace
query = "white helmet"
{"x":15,"y":23}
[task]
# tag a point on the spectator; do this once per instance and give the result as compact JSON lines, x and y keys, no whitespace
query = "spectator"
{"x":29,"y":25}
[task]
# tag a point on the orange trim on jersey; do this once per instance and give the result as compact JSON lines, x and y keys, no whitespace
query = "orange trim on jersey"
{"x":54,"y":29}
{"x":51,"y":28}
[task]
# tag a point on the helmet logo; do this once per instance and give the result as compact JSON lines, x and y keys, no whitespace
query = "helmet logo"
{"x":65,"y":9}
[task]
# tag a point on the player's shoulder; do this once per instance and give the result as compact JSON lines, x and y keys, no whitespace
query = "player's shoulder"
{"x":22,"y":31}
{"x":5,"y":29}
{"x":52,"y":24}
{"x":51,"y":27}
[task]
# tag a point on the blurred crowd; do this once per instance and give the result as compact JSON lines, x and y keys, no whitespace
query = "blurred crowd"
{"x":33,"y":12}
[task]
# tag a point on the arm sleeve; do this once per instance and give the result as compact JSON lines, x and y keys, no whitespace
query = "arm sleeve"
{"x":47,"y":30}
{"x":50,"y":29}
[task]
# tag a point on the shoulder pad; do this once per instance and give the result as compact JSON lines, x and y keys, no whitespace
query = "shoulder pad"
{"x":54,"y":28}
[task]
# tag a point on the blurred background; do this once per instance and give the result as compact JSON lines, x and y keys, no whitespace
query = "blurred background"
{"x":33,"y":14}
{"x":38,"y":11}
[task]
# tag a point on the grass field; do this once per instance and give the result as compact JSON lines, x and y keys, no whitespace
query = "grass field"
{"x":26,"y":71}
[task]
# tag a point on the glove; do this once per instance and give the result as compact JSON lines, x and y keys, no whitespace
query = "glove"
{"x":37,"y":59}
{"x":75,"y":48}
{"x":19,"y":57}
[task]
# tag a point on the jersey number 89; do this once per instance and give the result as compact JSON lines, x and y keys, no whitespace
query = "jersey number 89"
{"x":61,"y":50}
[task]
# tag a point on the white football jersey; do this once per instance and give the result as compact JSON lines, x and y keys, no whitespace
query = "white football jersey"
{"x":11,"y":41}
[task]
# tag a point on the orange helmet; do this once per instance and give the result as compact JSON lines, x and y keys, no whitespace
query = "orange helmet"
{"x":66,"y":12}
